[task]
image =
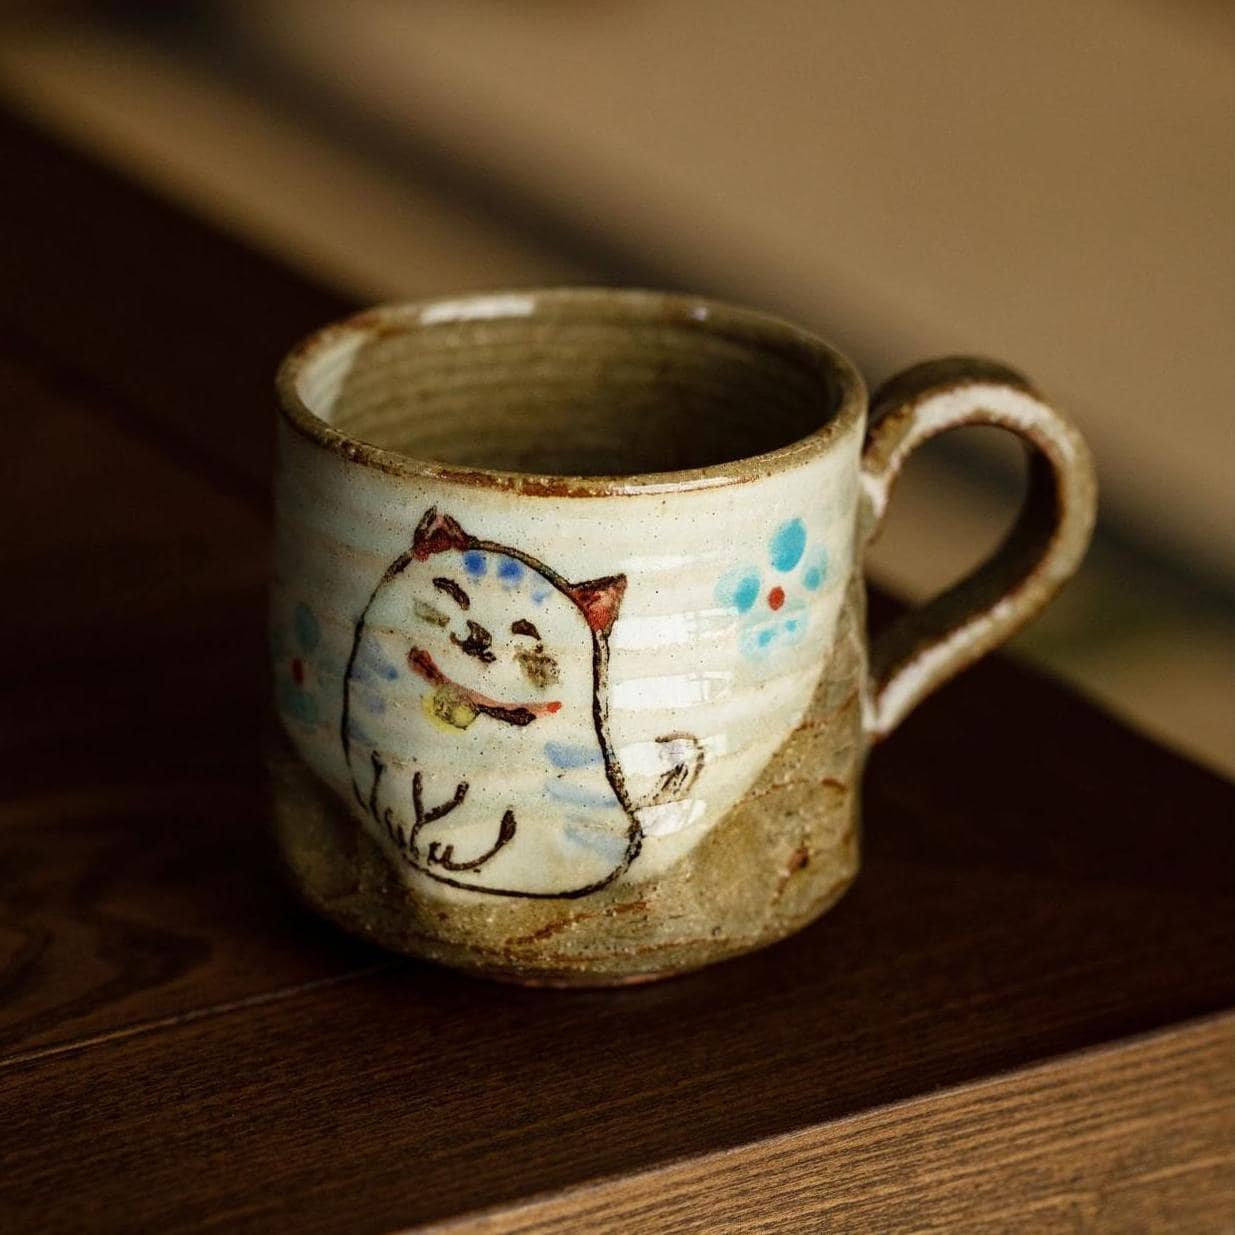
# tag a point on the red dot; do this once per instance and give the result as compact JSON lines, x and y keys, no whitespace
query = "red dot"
{"x":776,"y":598}
{"x":298,"y":671}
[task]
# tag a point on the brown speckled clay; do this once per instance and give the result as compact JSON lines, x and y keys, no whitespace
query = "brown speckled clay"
{"x":568,"y":621}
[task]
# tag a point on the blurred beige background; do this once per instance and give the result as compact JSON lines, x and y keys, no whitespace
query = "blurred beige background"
{"x":1046,"y":182}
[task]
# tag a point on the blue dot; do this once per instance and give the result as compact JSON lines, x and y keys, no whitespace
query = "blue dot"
{"x":540,"y":597}
{"x":747,"y":593}
{"x":816,"y":570}
{"x":474,"y":563}
{"x":509,"y":571}
{"x":308,"y":631}
{"x":765,"y":637}
{"x":792,"y":625}
{"x":298,"y":704}
{"x":739,"y":589}
{"x":788,"y":544}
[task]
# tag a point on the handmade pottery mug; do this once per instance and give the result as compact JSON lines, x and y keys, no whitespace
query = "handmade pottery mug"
{"x":568,"y":620}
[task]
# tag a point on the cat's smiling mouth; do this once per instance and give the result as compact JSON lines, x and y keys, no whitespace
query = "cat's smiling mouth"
{"x":458,"y":706}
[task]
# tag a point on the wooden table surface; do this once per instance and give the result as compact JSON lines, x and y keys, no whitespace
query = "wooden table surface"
{"x":1019,"y":1019}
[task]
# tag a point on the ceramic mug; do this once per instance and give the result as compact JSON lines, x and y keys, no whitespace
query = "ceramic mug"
{"x":568,"y":620}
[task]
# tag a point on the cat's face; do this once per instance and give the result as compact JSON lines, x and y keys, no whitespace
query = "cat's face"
{"x":485,"y":638}
{"x":489,"y":638}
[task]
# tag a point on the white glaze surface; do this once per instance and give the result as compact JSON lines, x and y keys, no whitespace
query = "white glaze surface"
{"x":697,"y":658}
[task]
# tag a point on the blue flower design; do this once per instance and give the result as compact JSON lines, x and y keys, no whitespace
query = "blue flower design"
{"x":774,"y":617}
{"x":295,"y":672}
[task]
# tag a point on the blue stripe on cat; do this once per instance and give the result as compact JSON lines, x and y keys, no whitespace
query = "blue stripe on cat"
{"x":562,"y":755}
{"x":578,"y":832}
{"x":576,"y":796}
{"x":371,"y":659}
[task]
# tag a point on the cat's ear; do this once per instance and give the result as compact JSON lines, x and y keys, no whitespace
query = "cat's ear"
{"x":599,"y":600}
{"x":436,"y":533}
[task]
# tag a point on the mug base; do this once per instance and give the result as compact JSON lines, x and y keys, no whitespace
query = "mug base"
{"x":781,"y":857}
{"x":622,"y":936}
{"x":585,"y":983}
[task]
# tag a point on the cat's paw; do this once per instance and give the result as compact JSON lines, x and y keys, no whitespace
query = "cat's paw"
{"x":684,"y":754}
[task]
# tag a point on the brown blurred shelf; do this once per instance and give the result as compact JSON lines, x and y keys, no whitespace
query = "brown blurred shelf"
{"x":1020,"y":1018}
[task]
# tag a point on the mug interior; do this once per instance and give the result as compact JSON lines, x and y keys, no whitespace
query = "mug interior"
{"x":571,"y":383}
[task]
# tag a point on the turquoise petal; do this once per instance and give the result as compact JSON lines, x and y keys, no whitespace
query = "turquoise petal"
{"x":788,"y":544}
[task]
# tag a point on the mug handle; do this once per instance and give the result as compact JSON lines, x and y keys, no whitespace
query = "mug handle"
{"x":923,"y":648}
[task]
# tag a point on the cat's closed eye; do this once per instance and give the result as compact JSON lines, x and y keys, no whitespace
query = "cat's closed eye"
{"x":427,"y":613}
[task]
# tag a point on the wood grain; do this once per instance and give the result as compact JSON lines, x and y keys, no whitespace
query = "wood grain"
{"x":1135,"y":1137}
{"x":330,"y":1108}
{"x":135,"y":883}
{"x":182,"y":1048}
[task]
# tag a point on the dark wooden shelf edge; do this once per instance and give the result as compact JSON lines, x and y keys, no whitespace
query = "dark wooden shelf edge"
{"x":1132,"y":1135}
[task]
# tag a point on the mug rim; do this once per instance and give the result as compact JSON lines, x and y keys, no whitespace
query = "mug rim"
{"x":713,"y":317}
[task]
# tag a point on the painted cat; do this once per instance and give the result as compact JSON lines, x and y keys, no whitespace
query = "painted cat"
{"x":479,"y":745}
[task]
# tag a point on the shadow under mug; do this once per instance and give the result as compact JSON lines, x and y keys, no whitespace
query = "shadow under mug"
{"x":568,"y":620}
